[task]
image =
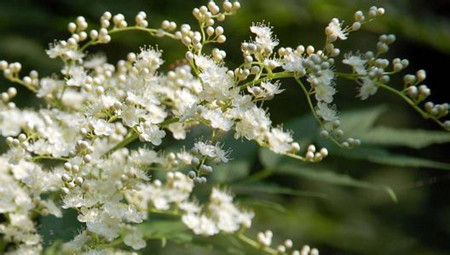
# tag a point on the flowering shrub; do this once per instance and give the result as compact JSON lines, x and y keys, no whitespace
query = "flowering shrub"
{"x":97,"y":146}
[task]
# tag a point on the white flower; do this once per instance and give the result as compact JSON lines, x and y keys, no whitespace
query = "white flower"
{"x":279,"y":141}
{"x":217,"y":119}
{"x":78,"y":76}
{"x":178,"y":130}
{"x":149,"y":60}
{"x":264,"y":37}
{"x":130,"y":115}
{"x":143,"y":156}
{"x":10,"y":122}
{"x":73,"y":99}
{"x":134,"y":239}
{"x":107,"y":101}
{"x":324,"y":92}
{"x":323,"y":82}
{"x":326,"y":112}
{"x":94,"y":61}
{"x":219,"y":196}
{"x":216,"y":82}
{"x":293,"y":62}
{"x":212,"y":151}
{"x":49,"y":86}
{"x":150,"y":133}
{"x":334,"y":30}
{"x":102,"y":128}
{"x":200,"y":224}
{"x":368,"y":88}
{"x":357,"y":63}
{"x":271,"y":89}
{"x":190,"y":207}
{"x":253,"y":124}
{"x":106,"y":227}
{"x":62,"y":49}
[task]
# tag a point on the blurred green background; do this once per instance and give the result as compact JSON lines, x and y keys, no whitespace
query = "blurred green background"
{"x":338,"y":206}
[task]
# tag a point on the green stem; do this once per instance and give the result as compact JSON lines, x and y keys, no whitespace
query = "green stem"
{"x":131,"y":137}
{"x":19,"y":81}
{"x":268,"y":77}
{"x":409,"y":101}
{"x":255,"y":244}
{"x":311,"y":106}
{"x":41,"y":157}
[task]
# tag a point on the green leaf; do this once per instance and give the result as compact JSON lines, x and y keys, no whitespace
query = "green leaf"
{"x":274,"y":189}
{"x":404,"y":137}
{"x":328,"y":176}
{"x":305,"y":128}
{"x":381,"y":156}
{"x":63,"y":229}
{"x":359,"y":121}
{"x":265,"y":204}
{"x":173,"y":230}
{"x":268,"y":158}
{"x":53,"y":249}
{"x":231,"y":171}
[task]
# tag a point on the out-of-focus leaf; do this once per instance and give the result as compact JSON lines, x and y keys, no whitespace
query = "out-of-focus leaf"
{"x":225,"y":173}
{"x":173,"y":230}
{"x":381,"y":156}
{"x":265,"y":204}
{"x":54,"y":249}
{"x":325,"y":175}
{"x":304,"y":128}
{"x":405,"y":137}
{"x":268,"y":158}
{"x":52,"y":228}
{"x":275,"y":189}
{"x":359,"y":121}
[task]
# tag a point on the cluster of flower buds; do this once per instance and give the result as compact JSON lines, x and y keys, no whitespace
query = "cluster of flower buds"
{"x":78,"y":30}
{"x":8,"y":95}
{"x":192,"y":39}
{"x":334,"y":130}
{"x":265,"y":240}
{"x":71,"y":177}
{"x":21,"y":140}
{"x":335,"y":29}
{"x":207,"y":14}
{"x":84,"y":149}
{"x":141,"y":19}
{"x":360,"y":17}
{"x":312,"y":155}
{"x":11,"y":72}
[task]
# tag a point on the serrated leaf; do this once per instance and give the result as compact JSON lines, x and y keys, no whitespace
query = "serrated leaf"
{"x":404,"y":137}
{"x":381,"y":156}
{"x":328,"y":176}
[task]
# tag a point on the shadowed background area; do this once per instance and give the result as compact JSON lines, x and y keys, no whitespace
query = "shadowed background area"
{"x":337,"y":216}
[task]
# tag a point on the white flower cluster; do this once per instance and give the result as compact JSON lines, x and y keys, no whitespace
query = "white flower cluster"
{"x":95,"y":109}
